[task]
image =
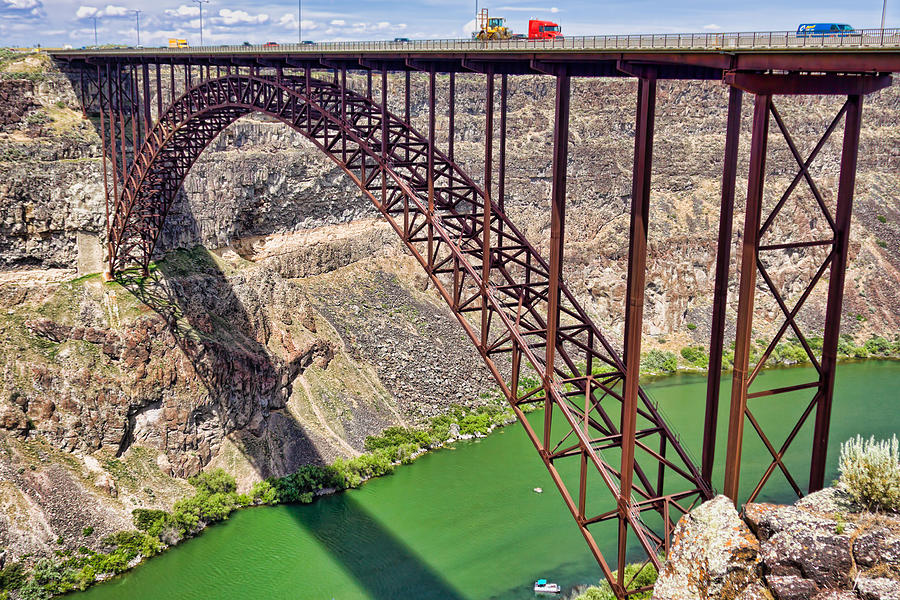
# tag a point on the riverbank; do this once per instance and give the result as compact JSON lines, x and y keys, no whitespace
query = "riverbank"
{"x":465,"y":524}
{"x":216,"y":498}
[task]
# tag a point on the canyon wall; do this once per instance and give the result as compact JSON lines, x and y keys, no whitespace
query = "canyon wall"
{"x":283,"y":323}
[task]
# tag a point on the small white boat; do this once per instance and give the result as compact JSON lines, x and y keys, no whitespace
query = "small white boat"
{"x":538,"y":491}
{"x":543,"y":586}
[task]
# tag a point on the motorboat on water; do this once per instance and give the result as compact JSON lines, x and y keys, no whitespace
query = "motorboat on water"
{"x":544,"y":586}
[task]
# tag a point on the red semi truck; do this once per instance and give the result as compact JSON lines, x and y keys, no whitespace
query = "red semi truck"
{"x":543,"y":30}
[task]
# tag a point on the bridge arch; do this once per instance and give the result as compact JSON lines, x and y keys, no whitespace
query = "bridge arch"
{"x":492,"y":278}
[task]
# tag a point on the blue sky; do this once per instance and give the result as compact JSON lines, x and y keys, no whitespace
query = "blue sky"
{"x":61,"y":22}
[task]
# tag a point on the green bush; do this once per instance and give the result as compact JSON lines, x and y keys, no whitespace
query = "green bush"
{"x":881,"y":218}
{"x":216,"y":481}
{"x":12,"y":576}
{"x":638,"y":577}
{"x":695,"y":356}
{"x":659,"y":361}
{"x":870,"y":472}
{"x":691,"y":326}
{"x":878,"y":345}
{"x":87,"y":531}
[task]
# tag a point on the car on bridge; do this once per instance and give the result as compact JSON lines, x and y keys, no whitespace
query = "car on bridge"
{"x":825,"y":30}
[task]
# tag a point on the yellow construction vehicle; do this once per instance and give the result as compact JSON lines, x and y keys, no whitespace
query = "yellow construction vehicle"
{"x":492,"y":28}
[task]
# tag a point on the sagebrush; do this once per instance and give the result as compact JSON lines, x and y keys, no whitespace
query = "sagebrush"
{"x":870,"y":472}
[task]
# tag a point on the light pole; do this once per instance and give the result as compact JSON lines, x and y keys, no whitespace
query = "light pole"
{"x":95,"y":31}
{"x":300,"y":21}
{"x":137,"y":17}
{"x":883,"y":12}
{"x":200,"y":3}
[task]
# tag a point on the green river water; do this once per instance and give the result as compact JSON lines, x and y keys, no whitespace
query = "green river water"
{"x":465,"y":523}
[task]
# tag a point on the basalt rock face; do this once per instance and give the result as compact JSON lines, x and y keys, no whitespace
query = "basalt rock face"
{"x":820,"y":548}
{"x":306,"y":328}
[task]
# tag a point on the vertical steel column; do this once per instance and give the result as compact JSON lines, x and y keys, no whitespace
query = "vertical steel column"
{"x":634,"y":309}
{"x":557,"y":236}
{"x":486,"y":223}
{"x":159,"y":106}
{"x":384,"y":134}
{"x":501,"y":175}
{"x":746,"y":293}
{"x":835,"y":291}
{"x":406,"y":114}
{"x":451,"y":125}
{"x":720,"y":297}
{"x":344,"y":114}
{"x":369,"y":84}
{"x":172,"y":94}
{"x":431,"y":134}
{"x":146,"y":100}
{"x":101,"y":103}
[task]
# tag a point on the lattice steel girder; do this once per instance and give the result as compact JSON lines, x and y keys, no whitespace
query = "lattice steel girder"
{"x":477,"y":260}
{"x":756,"y":227}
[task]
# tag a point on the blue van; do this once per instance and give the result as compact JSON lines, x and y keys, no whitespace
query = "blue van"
{"x":824,"y":30}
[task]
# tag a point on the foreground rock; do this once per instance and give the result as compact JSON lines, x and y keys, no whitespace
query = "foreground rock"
{"x":821,"y":548}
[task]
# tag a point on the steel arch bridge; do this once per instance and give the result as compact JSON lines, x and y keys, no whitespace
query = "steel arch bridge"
{"x":513,"y":303}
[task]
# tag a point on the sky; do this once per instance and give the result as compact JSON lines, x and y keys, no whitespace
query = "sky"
{"x":57,"y":23}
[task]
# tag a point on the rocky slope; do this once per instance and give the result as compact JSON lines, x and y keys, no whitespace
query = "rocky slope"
{"x":821,"y":548}
{"x":304,"y":328}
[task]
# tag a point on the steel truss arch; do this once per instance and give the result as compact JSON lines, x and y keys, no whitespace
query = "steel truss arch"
{"x":478,"y":261}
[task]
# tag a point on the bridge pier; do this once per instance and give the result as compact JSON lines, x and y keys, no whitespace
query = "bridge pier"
{"x":754,"y":249}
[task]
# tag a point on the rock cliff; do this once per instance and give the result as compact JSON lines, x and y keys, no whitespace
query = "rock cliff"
{"x":821,"y":548}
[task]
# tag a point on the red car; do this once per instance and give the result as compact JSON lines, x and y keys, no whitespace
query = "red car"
{"x":270,"y":45}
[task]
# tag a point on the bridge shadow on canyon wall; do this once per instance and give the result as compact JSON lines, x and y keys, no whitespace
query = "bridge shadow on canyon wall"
{"x":244,"y":389}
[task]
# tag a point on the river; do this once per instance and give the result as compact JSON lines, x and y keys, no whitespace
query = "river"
{"x":465,"y":523}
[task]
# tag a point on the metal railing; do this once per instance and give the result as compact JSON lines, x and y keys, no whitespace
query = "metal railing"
{"x":765,"y":40}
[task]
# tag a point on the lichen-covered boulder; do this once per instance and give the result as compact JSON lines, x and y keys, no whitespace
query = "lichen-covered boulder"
{"x":714,"y":555}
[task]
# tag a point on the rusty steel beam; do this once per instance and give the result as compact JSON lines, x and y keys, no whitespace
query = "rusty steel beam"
{"x":634,"y":309}
{"x":847,"y":182}
{"x":746,"y":293}
{"x":795,"y":84}
{"x":488,"y":208}
{"x":720,"y":295}
{"x":557,"y":237}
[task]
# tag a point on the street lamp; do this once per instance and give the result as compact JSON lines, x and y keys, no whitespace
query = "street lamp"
{"x":200,"y":3}
{"x":95,"y":31}
{"x":883,"y":11}
{"x":137,"y":17}
{"x":300,"y":21}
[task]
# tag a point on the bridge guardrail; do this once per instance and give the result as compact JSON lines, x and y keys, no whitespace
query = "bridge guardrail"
{"x":788,"y":40}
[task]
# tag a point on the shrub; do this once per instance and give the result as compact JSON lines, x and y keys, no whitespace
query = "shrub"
{"x":12,"y":576}
{"x":691,"y":326}
{"x":263,"y":492}
{"x":659,"y":361}
{"x":87,"y":531}
{"x":877,"y":345}
{"x":633,"y":573}
{"x":213,"y":482}
{"x":870,"y":472}
{"x":882,"y":218}
{"x":695,"y":356}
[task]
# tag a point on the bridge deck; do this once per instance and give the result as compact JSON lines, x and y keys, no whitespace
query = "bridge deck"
{"x":709,"y":54}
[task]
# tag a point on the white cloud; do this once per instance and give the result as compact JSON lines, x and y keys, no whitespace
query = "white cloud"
{"x":338,"y":22}
{"x":111,"y":10}
{"x":114,"y":11}
{"x":184,"y":11}
{"x":21,"y":4}
{"x":711,"y":27}
{"x":239,"y":17}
